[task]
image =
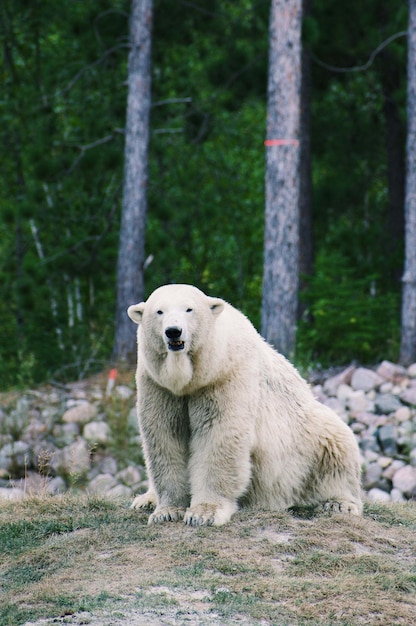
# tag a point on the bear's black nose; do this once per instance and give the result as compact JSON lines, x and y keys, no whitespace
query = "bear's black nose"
{"x":173,"y":332}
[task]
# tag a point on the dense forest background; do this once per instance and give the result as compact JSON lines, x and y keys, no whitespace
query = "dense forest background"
{"x":63,"y":107}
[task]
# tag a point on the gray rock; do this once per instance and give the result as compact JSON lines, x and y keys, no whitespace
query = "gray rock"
{"x":368,"y":419}
{"x":369,"y":443}
{"x":397,"y":496}
{"x":11,"y":493}
{"x":129,"y":476}
{"x":391,"y":470}
{"x":35,"y":429}
{"x":378,"y":495}
{"x":412,"y":457}
{"x":387,"y":436}
{"x":15,"y":455}
{"x":119,"y":491}
{"x":387,"y":403}
{"x":337,"y":406}
{"x":124,"y":392}
{"x":390,"y":371}
{"x":102,"y":483}
{"x":364,"y":379}
{"x":132,"y":419}
{"x":386,"y":387}
{"x":372,"y":475}
{"x":80,"y":414}
{"x":403,"y":414}
{"x":409,"y":396}
{"x":56,"y":485}
{"x":411,"y":370}
{"x":344,"y":393}
{"x":358,"y":402}
{"x":405,"y":480}
{"x":76,"y":459}
{"x":65,"y":434}
{"x":384,"y":461}
{"x":107,"y":465}
{"x":97,"y":432}
{"x":331,"y":385}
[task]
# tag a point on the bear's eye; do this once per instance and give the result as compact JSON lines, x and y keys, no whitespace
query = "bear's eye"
{"x":189,"y":310}
{"x":159,"y":312}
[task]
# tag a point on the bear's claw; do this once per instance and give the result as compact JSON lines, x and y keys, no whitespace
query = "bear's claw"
{"x":146,"y":500}
{"x":342,"y":506}
{"x":209,"y":514}
{"x":195,"y":520}
{"x":166,"y":514}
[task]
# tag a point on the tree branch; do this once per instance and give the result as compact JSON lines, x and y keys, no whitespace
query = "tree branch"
{"x":88,"y":146}
{"x":365,"y":66}
{"x":90,"y":66}
{"x":160,"y":103}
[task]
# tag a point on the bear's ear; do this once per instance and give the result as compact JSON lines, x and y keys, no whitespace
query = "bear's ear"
{"x":135,"y":312}
{"x":216,"y":305}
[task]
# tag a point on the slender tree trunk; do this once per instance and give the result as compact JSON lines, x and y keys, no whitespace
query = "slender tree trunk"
{"x":408,"y":338}
{"x":395,"y":141}
{"x":306,"y":260}
{"x":130,"y":284}
{"x":281,"y":236}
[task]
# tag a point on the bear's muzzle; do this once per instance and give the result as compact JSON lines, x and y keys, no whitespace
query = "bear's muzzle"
{"x":173,"y":334}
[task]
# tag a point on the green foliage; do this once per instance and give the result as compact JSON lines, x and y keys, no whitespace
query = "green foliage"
{"x":353,"y":316}
{"x":61,"y":148}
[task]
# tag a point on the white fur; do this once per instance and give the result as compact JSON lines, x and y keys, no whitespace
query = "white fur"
{"x":228,"y":420}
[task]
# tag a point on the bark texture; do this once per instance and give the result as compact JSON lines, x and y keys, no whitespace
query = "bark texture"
{"x":281,"y":238}
{"x":408,"y":337}
{"x":130,"y":283}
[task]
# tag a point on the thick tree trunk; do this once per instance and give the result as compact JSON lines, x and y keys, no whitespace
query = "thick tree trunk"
{"x":408,"y":338}
{"x":130,"y":284}
{"x":281,"y":236}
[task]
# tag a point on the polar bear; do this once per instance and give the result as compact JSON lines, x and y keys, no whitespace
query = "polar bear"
{"x":228,"y":421}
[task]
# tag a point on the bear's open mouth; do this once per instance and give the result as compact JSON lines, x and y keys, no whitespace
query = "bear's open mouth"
{"x":176,"y":345}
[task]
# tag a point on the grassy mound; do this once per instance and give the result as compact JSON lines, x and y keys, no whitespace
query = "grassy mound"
{"x":81,"y":559}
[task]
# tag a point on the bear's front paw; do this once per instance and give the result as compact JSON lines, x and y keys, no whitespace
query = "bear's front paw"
{"x":146,"y":500}
{"x":209,"y":514}
{"x":166,"y":514}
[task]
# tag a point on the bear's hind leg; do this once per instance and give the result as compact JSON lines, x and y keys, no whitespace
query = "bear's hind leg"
{"x":336,"y":484}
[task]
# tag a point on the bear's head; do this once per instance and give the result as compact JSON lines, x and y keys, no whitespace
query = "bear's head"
{"x":176,"y":319}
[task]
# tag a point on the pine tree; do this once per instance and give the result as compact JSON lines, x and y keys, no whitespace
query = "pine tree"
{"x":130,"y":284}
{"x":281,"y":238}
{"x":408,"y":337}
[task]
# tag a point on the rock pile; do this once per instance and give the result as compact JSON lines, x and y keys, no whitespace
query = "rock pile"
{"x":80,"y":437}
{"x":72,"y":437}
{"x":380,"y":407}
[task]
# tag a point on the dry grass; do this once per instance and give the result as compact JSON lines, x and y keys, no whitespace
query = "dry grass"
{"x":87,"y":560}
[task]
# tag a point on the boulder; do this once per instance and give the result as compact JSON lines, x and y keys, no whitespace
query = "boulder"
{"x":378,"y":495}
{"x":387,"y":403}
{"x":97,"y":432}
{"x":390,"y":371}
{"x":408,"y":396}
{"x":80,"y":414}
{"x":405,"y":480}
{"x":344,"y":378}
{"x":387,"y":436}
{"x":364,"y":379}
